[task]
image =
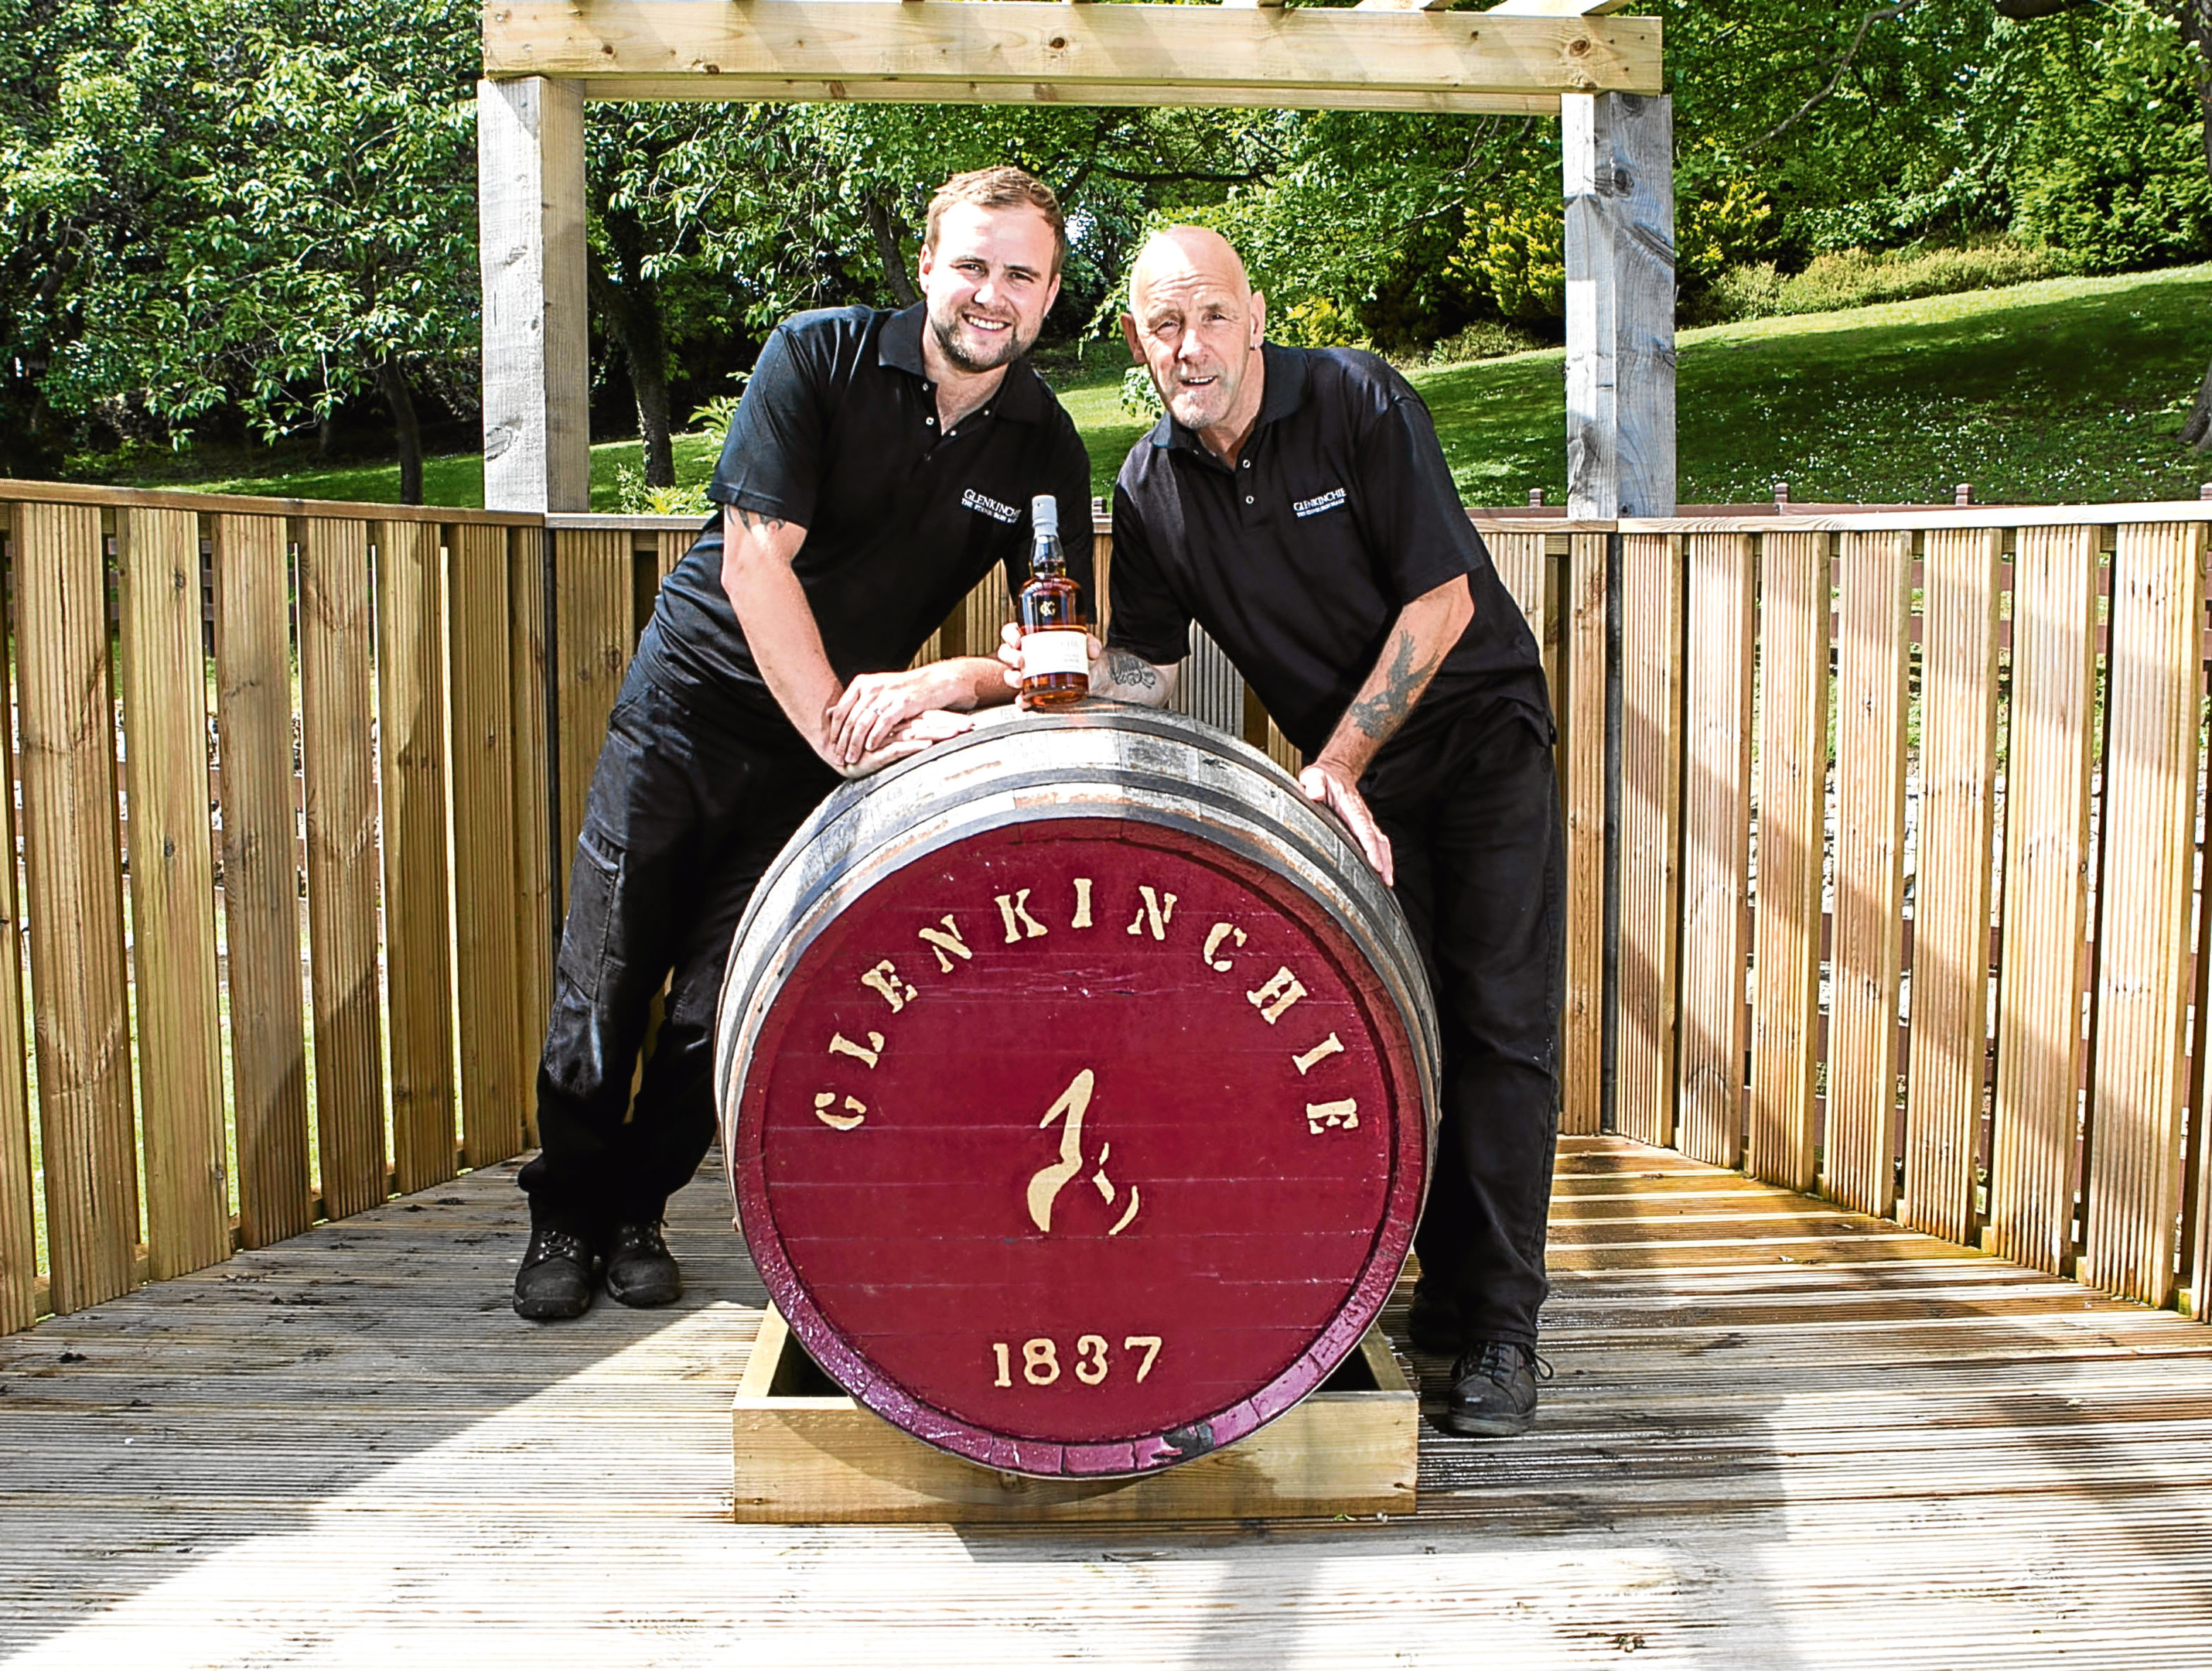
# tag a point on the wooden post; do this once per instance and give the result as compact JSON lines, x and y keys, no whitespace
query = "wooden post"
{"x":1617,"y":160}
{"x":530,"y":170}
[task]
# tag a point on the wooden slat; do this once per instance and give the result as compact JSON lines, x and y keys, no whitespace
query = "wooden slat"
{"x":411,"y":747}
{"x":1874,"y":577}
{"x":164,"y":679}
{"x":1794,"y":616}
{"x":1581,"y":707}
{"x":1716,"y":836}
{"x":18,"y":1212}
{"x":670,"y":545}
{"x":487,"y":903}
{"x":2151,"y":755}
{"x":1951,"y":894}
{"x":337,"y":755}
{"x":1651,"y":833}
{"x":74,"y":903}
{"x":260,"y":881}
{"x":1519,"y":560}
{"x":535,"y":884}
{"x":2046,"y":858}
{"x":592,"y":621}
{"x":1078,"y":55}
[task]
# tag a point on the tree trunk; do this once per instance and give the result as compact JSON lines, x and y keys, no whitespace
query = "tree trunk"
{"x":888,"y":252}
{"x":2196,"y":430}
{"x":630,"y":303}
{"x":406,"y":428}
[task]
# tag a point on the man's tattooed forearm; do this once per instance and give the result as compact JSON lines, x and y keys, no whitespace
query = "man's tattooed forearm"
{"x":1133,"y":671}
{"x":1382,"y":714}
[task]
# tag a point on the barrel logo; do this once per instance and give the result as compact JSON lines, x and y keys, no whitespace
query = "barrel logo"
{"x":990,"y":507}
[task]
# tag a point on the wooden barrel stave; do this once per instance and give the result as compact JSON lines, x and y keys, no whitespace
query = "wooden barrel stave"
{"x":1138,"y":771}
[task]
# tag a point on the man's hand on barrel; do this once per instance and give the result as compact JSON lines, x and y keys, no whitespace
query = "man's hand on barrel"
{"x":1330,"y":785}
{"x":932,"y":725}
{"x":873,"y":711}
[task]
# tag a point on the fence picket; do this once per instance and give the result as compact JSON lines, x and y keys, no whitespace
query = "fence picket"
{"x":18,"y":1250}
{"x":74,"y":903}
{"x":337,"y":754}
{"x":172,"y":869}
{"x":2152,"y":716}
{"x":260,"y":881}
{"x":1873,"y":579}
{"x":1582,"y":706}
{"x":1716,"y":829}
{"x":536,"y":882}
{"x":487,"y":973}
{"x":1950,"y":899}
{"x":2047,"y":778}
{"x":412,"y":758}
{"x":1793,"y":787}
{"x":592,"y":569}
{"x":1650,"y":832}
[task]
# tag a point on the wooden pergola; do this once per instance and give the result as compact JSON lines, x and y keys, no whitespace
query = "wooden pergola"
{"x":1599,"y":75}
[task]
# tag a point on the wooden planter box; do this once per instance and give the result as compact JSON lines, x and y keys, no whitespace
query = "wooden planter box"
{"x":805,"y":1453}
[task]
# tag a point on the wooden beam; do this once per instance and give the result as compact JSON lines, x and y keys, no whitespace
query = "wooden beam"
{"x":1082,"y":55}
{"x":1545,"y":8}
{"x":727,"y":90}
{"x":1617,"y":154}
{"x":536,"y":364}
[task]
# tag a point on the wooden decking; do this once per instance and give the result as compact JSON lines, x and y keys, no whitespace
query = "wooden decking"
{"x":1780,"y":1435}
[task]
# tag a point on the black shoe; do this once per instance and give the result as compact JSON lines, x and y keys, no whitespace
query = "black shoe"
{"x":1435,"y":1324}
{"x":556,"y":1278}
{"x":641,"y":1270}
{"x":1493,"y":1390}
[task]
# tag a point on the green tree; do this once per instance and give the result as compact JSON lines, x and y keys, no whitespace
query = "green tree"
{"x":280,"y":211}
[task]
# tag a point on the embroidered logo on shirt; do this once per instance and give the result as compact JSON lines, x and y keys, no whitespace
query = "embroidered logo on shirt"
{"x":991,"y":508}
{"x":1319,"y":503}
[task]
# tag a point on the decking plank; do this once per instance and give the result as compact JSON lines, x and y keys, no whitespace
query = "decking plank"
{"x":347,"y":1447}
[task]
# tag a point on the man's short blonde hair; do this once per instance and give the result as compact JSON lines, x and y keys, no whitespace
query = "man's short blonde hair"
{"x":1003,"y":187}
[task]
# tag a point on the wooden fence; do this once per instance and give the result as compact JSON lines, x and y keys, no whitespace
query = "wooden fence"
{"x":295,"y":786}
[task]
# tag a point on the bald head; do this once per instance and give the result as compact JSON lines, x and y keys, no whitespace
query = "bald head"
{"x":1185,"y":253}
{"x":1195,"y":323}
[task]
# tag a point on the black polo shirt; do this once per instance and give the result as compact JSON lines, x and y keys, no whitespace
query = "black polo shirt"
{"x":1341,"y":510}
{"x":838,"y":433}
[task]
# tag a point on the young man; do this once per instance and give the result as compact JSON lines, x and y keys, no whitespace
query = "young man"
{"x":1297,"y":504}
{"x":879,"y":466}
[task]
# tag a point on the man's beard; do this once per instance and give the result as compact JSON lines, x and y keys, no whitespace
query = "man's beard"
{"x":946,"y":328}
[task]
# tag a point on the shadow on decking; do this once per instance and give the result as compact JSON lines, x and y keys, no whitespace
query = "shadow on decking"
{"x":1766,"y":1412}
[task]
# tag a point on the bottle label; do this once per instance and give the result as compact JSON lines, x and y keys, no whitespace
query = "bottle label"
{"x":1056,"y":650}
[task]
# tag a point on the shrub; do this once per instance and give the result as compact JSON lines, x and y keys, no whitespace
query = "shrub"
{"x":1139,"y":400}
{"x":1517,"y":255}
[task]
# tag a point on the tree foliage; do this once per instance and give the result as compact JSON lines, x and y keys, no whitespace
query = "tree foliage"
{"x":249,"y":215}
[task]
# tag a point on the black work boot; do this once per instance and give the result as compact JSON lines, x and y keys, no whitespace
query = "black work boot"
{"x":556,"y":1278}
{"x":1493,"y":1390}
{"x":1435,"y":1322}
{"x":641,"y":1270}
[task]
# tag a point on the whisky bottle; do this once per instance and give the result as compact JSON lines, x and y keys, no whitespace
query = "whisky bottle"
{"x":1056,"y":653}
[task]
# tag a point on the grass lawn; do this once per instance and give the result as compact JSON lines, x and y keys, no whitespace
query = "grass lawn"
{"x":2065,"y":390}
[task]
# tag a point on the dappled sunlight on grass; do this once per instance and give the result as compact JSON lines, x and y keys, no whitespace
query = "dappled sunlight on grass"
{"x":2063,"y":390}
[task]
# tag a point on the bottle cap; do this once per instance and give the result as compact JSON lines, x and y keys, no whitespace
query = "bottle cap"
{"x":1044,"y":514}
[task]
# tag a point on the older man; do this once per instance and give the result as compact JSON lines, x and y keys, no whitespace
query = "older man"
{"x":879,"y":466}
{"x":1296,"y":503}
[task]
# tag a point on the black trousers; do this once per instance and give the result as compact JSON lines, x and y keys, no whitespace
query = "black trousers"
{"x":682,"y":819}
{"x":1481,"y":877}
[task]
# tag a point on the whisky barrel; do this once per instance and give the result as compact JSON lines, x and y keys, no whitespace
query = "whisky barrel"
{"x":1077,"y":1089}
